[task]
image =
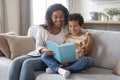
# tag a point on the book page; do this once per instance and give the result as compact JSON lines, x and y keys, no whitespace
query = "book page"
{"x":66,"y":44}
{"x":51,"y":42}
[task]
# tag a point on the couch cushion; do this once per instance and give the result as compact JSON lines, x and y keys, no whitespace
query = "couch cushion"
{"x":20,"y":45}
{"x":4,"y":67}
{"x":1,"y":54}
{"x":94,"y":73}
{"x":4,"y":47}
{"x":106,"y":50}
{"x":116,"y":69}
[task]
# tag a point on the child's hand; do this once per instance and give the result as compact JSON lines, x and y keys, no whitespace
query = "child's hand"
{"x":82,"y":45}
{"x":47,"y":51}
{"x":65,"y":64}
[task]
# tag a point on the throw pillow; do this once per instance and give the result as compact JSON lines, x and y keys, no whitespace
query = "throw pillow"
{"x":4,"y":47}
{"x":20,"y":45}
{"x":1,"y":54}
{"x":116,"y":69}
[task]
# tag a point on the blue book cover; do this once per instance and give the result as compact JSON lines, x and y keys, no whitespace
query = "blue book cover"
{"x":64,"y":52}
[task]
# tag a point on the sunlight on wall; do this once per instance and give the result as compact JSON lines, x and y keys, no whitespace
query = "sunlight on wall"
{"x":39,"y":8}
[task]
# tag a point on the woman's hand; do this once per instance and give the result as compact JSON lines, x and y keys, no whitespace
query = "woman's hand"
{"x":47,"y":51}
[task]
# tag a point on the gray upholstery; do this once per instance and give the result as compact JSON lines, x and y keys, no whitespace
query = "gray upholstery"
{"x":106,"y":53}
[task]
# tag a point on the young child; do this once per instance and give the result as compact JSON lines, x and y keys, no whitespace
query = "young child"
{"x":83,"y":42}
{"x":82,"y":39}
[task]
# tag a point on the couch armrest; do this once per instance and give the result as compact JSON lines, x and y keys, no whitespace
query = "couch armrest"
{"x":32,"y":31}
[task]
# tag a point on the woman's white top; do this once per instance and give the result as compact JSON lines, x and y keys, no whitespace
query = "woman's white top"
{"x":58,"y":38}
{"x":43,"y":35}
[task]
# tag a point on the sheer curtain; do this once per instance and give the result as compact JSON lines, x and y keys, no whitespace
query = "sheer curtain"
{"x":24,"y":16}
{"x":3,"y":20}
{"x":39,"y":8}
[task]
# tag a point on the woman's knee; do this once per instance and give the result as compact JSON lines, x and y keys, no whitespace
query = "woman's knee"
{"x":32,"y":62}
{"x":17,"y":61}
{"x":20,"y":60}
{"x":27,"y":63}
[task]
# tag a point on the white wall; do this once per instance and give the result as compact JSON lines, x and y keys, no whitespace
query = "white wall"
{"x":82,"y":6}
{"x":103,"y":5}
{"x":86,"y":6}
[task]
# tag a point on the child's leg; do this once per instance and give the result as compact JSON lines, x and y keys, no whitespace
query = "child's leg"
{"x":54,"y":65}
{"x":51,"y":62}
{"x":80,"y":65}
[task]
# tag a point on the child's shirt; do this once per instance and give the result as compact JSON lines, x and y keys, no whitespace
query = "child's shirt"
{"x":79,"y":42}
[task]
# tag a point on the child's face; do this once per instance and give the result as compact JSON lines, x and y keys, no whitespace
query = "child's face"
{"x":74,"y":28}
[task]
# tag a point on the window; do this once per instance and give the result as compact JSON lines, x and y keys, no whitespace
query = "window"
{"x":39,"y":8}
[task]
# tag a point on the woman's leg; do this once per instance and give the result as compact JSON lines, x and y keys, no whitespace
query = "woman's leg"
{"x":51,"y":62}
{"x":30,"y":66}
{"x":20,"y":67}
{"x":15,"y":68}
{"x":82,"y":64}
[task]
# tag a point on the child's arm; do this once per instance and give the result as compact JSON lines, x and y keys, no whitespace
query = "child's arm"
{"x":89,"y":45}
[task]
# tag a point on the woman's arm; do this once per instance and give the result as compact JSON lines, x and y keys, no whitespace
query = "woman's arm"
{"x":89,"y":45}
{"x":40,"y":42}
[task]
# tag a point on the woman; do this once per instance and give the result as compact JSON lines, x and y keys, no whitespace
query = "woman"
{"x":24,"y":67}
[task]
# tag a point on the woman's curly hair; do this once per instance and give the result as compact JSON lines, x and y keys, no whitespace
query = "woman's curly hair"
{"x":48,"y":18}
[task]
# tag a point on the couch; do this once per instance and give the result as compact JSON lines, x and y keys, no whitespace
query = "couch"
{"x":106,"y":54}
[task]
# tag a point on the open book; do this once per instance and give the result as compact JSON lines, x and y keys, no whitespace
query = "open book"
{"x":64,"y":52}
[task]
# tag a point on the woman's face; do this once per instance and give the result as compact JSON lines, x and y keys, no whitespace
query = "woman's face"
{"x":74,"y":28}
{"x":58,"y":18}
